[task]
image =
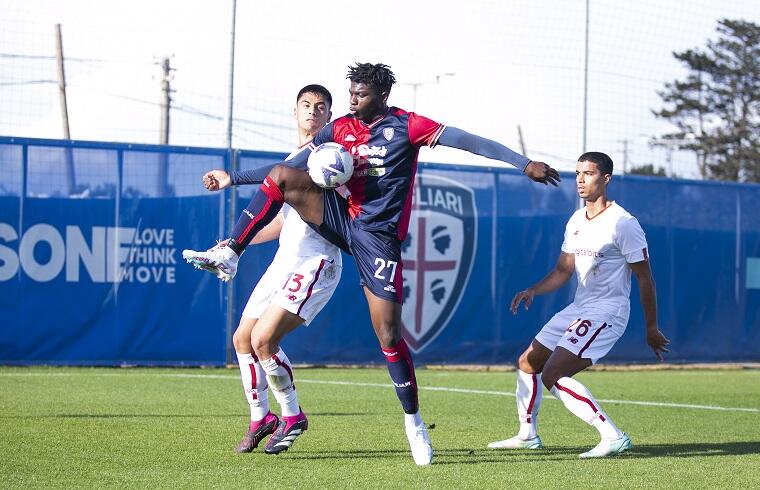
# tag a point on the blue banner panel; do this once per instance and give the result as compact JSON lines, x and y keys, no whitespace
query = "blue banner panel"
{"x":91,"y":270}
{"x":91,"y":236}
{"x":489,"y":233}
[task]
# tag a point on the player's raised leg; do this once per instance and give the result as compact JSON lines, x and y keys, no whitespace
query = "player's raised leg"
{"x":557,"y":377}
{"x":386,"y":320}
{"x":529,"y":394}
{"x":263,"y":422}
{"x":283,"y":184}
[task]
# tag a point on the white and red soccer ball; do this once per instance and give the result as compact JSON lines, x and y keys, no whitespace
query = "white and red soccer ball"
{"x":330,"y":165}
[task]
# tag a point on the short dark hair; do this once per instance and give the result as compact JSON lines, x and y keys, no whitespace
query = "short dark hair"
{"x":316,"y":89}
{"x":378,"y":76}
{"x":602,"y":160}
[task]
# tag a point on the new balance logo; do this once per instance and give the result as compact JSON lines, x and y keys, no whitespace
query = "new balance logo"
{"x":248,"y":213}
{"x":350,"y":137}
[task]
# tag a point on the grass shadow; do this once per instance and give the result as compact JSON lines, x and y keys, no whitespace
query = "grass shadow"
{"x":481,"y":456}
{"x":118,"y":416}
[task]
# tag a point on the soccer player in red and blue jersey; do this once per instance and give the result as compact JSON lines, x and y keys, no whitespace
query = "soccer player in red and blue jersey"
{"x":372,"y":222}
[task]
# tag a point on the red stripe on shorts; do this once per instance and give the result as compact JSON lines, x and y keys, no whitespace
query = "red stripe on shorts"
{"x":580,"y":353}
{"x":311,"y":286}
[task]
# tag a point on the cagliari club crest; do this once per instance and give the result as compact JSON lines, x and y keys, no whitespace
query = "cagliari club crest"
{"x":438,"y":254}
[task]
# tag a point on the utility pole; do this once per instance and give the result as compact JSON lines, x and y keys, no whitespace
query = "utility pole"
{"x":522,"y":141}
{"x":232,"y":77}
{"x":231,"y":203}
{"x":625,"y":142}
{"x":71,"y":182}
{"x":163,"y":138}
{"x":585,"y":80}
{"x":416,"y":85}
{"x":166,"y":100}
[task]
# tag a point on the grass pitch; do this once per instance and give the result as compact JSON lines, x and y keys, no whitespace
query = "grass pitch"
{"x":155,"y":428}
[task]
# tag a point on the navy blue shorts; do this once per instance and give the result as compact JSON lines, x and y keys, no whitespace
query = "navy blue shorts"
{"x":377,"y":253}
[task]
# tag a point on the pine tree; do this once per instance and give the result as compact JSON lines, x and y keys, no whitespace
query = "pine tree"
{"x":716,"y":108}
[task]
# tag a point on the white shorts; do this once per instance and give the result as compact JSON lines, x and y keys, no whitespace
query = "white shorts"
{"x":586,"y":332}
{"x":302,"y":286}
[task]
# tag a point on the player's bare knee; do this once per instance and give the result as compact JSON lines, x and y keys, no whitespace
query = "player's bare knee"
{"x":286,"y":177}
{"x":523,"y":363}
{"x":388,"y":335}
{"x":241,"y":341}
{"x":263,"y":345}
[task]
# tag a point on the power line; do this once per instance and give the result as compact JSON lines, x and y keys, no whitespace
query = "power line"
{"x":26,"y":82}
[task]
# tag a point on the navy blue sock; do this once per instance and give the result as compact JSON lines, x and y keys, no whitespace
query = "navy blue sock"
{"x":264,"y":206}
{"x":401,"y":369}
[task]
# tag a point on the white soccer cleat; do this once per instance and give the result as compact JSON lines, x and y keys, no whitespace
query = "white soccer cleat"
{"x":219,"y":260}
{"x":609,"y":447}
{"x":419,"y":443}
{"x":517,"y":443}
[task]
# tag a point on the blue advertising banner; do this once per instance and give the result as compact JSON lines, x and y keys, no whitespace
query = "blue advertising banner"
{"x":91,"y":236}
{"x":99,"y":279}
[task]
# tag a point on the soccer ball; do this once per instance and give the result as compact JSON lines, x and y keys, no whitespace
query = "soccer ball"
{"x":330,"y":165}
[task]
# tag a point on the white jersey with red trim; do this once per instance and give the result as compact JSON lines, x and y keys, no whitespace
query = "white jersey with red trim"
{"x":603,"y":247}
{"x":298,"y":239}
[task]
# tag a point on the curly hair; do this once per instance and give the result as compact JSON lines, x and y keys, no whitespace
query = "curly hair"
{"x":378,"y":76}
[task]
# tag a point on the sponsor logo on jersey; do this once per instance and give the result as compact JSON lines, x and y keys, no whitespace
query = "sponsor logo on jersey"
{"x":438,"y":255}
{"x":587,"y":252}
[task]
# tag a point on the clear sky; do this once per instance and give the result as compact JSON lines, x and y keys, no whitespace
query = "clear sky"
{"x":484,"y":66}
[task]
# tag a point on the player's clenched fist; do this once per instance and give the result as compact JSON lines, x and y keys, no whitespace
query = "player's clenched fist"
{"x":216,"y":180}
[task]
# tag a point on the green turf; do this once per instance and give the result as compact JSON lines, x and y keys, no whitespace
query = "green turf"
{"x":149,"y":428}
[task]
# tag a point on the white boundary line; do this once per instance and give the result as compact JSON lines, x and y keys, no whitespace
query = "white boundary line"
{"x":388,"y":385}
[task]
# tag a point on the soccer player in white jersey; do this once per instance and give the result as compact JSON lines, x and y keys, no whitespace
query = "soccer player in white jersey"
{"x":299,"y":282}
{"x":603,"y":245}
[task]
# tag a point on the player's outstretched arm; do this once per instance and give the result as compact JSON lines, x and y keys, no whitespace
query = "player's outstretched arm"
{"x":536,"y":171}
{"x":558,"y":276}
{"x":257,"y":175}
{"x":656,"y":340}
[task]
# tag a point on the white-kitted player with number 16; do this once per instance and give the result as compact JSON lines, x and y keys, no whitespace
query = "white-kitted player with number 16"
{"x":603,"y":245}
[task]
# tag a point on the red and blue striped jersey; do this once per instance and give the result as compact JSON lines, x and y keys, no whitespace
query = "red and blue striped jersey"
{"x":385,"y":163}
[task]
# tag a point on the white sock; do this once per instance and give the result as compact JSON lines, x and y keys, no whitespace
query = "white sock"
{"x":581,"y":403}
{"x":280,"y":374}
{"x":255,"y":393}
{"x":529,"y":393}
{"x":413,"y":420}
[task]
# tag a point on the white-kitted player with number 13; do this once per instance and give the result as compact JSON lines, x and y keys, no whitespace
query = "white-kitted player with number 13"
{"x":299,"y":282}
{"x":603,"y":245}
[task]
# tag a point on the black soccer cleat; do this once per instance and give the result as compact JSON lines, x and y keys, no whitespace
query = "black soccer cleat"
{"x":286,"y":434}
{"x":254,"y":437}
